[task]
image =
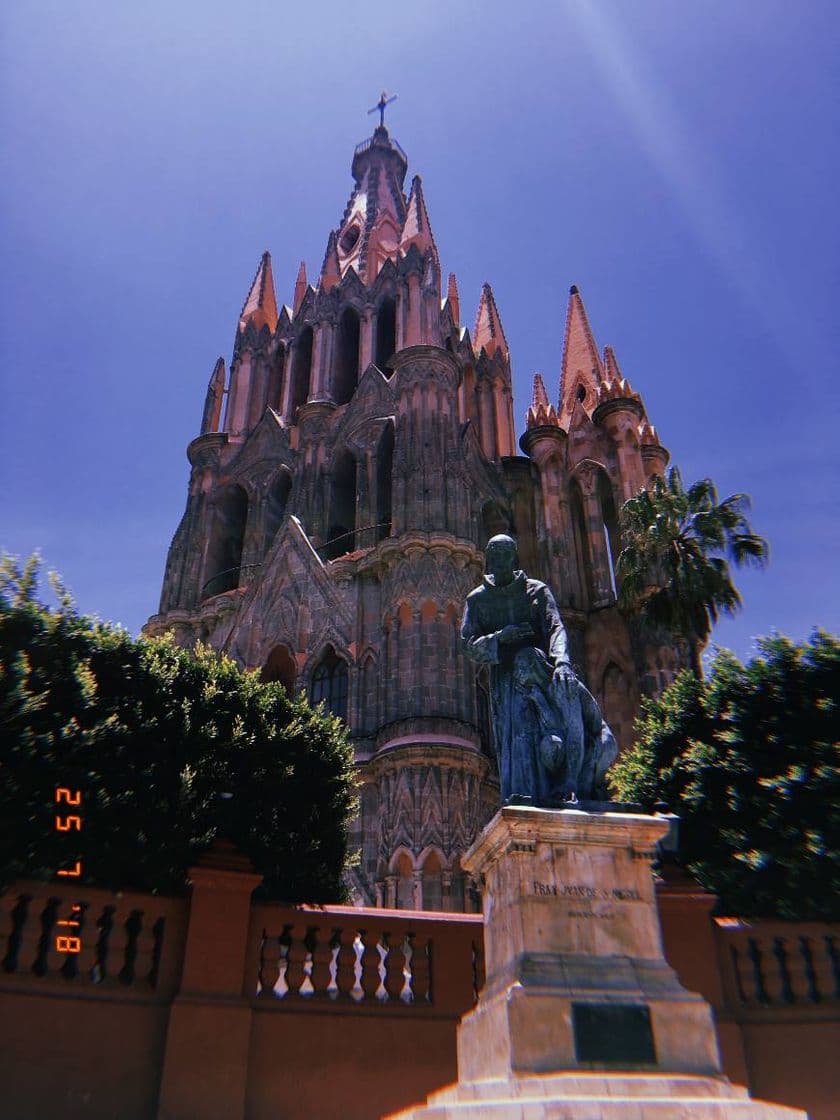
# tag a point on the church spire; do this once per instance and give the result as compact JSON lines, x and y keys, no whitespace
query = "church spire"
{"x":417,"y":229}
{"x":488,"y":334}
{"x":582,"y":371}
{"x":300,"y":287}
{"x":260,"y":307}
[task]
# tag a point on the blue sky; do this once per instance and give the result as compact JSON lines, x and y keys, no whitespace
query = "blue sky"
{"x":677,"y":161}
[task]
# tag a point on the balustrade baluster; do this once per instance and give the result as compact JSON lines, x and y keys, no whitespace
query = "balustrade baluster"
{"x":757,"y":960}
{"x":269,"y":970}
{"x":781,"y":954}
{"x":735,"y":956}
{"x":421,"y":968}
{"x":832,"y":967}
{"x":320,"y":947}
{"x":19,"y":916}
{"x":346,"y":972}
{"x":813,"y":993}
{"x":295,"y":960}
{"x":370,"y":978}
{"x":395,"y":968}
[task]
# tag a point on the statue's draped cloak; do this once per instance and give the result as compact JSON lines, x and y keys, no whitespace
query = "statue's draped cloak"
{"x":551,"y":740}
{"x":516,"y":705}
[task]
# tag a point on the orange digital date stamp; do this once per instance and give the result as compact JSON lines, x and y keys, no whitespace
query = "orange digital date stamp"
{"x":69,"y":822}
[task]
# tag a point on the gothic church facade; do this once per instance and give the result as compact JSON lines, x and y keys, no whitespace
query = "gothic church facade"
{"x":351,"y":465}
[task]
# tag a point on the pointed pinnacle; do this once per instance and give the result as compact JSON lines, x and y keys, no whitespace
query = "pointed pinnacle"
{"x":539,"y":397}
{"x":454,"y":300}
{"x":260,"y":306}
{"x":300,"y":287}
{"x":611,"y":367}
{"x":417,"y":229}
{"x":331,"y":269}
{"x":488,"y":333}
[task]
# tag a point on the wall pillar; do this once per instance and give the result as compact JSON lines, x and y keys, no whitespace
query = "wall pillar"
{"x":205,"y":1065}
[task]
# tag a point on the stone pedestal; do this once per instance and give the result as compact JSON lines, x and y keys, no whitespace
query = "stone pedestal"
{"x":581,"y":1016}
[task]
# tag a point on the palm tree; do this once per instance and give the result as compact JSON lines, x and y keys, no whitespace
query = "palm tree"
{"x":673,"y":569}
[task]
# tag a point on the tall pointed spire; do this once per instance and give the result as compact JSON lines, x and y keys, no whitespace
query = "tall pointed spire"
{"x":260,"y":307}
{"x":300,"y":287}
{"x":582,"y":370}
{"x":417,"y":229}
{"x":454,"y":300}
{"x":331,"y":269}
{"x":488,"y":334}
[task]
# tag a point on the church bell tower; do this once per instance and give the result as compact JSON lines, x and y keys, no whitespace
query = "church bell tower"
{"x":352,"y":462}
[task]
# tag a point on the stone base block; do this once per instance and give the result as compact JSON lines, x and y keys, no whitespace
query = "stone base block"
{"x":601,"y":1096}
{"x":524,"y":1030}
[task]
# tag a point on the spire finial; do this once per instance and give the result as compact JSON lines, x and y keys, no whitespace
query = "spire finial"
{"x":383,"y":102}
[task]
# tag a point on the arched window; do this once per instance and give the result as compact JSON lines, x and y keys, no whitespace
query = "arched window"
{"x":432,"y":882}
{"x":347,"y":357}
{"x":301,"y":370}
{"x":275,"y":379}
{"x":280,"y":666}
{"x":384,"y":474}
{"x":275,"y":507}
{"x":584,"y":561}
{"x":612,"y":535}
{"x":404,"y":893}
{"x":224,"y":554}
{"x":368,"y":695}
{"x":329,"y":683}
{"x":386,"y":333}
{"x":341,"y":534}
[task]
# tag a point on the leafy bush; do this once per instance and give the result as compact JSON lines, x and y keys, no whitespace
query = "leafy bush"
{"x":152,"y":735}
{"x":749,"y":760}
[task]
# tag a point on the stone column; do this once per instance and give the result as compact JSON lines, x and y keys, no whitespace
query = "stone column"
{"x":205,"y":1066}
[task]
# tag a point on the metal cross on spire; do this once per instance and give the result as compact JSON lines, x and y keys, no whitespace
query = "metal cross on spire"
{"x":384,"y":100}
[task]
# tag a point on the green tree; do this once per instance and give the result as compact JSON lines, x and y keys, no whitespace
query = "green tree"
{"x":153,"y":735}
{"x":673,"y":568}
{"x":750,"y":760}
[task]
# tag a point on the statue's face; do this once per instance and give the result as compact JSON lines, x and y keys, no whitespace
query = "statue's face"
{"x":500,"y":559}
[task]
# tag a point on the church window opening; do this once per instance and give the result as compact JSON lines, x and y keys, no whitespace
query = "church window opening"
{"x":347,"y":357}
{"x":386,"y":333}
{"x":275,"y":379}
{"x":349,"y":239}
{"x":330,"y":684}
{"x":341,"y":536}
{"x":432,"y":882}
{"x":384,"y":485}
{"x":224,"y":555}
{"x":581,"y":394}
{"x":301,"y":370}
{"x":612,"y":535}
{"x":275,"y":507}
{"x":404,"y":899}
{"x":281,"y":667}
{"x":584,"y":560}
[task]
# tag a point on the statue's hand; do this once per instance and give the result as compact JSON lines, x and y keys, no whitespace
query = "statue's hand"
{"x":564,"y":674}
{"x":515,"y":632}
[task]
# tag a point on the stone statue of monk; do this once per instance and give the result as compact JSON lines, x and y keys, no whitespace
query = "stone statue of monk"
{"x":552,"y":744}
